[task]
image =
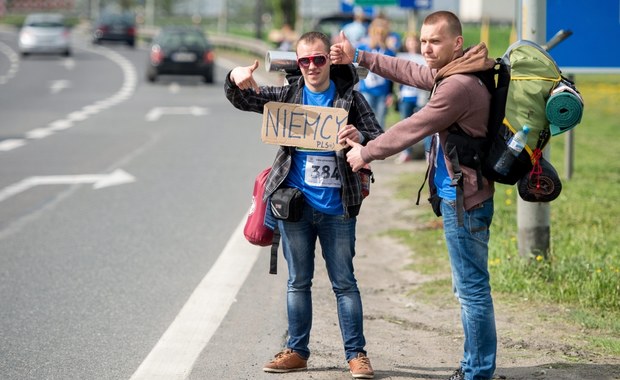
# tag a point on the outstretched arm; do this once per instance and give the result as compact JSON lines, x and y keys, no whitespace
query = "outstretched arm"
{"x":342,"y":53}
{"x":243,"y":77}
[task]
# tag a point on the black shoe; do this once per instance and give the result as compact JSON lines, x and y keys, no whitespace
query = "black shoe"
{"x":457,"y":375}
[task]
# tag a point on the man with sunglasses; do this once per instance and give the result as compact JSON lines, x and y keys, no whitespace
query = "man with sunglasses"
{"x":459,"y":100}
{"x":332,"y":202}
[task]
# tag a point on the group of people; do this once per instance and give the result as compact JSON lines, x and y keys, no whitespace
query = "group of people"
{"x":378,"y":91}
{"x":332,"y":202}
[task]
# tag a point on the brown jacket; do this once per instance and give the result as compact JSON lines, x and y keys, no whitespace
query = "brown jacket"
{"x":458,"y":98}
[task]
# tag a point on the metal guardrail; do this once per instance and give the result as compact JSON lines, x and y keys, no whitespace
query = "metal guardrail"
{"x":249,"y":45}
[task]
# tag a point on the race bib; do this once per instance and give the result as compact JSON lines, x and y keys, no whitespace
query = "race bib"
{"x":322,"y":171}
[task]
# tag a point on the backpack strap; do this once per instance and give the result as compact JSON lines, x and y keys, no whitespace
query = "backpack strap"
{"x":428,"y":169}
{"x":275,"y":243}
{"x":471,"y":151}
{"x":457,"y":181}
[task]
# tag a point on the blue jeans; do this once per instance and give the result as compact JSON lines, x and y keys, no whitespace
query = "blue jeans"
{"x":468,"y":250}
{"x":336,"y":235}
{"x":377,"y":103}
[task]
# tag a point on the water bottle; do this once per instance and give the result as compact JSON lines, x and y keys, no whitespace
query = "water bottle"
{"x":515,"y":147}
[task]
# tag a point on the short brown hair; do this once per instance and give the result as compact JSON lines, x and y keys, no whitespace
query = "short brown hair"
{"x":454,"y":24}
{"x":313,"y":36}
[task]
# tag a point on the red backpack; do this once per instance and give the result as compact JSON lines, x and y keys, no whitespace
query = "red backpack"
{"x":255,"y":230}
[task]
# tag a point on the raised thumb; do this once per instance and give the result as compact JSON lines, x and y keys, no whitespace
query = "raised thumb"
{"x":254,"y":66}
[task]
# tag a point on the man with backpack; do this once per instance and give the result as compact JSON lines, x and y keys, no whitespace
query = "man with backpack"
{"x":332,"y":195}
{"x":459,"y":99}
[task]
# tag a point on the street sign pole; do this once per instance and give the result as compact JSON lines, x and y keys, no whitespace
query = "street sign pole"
{"x":533,"y":219}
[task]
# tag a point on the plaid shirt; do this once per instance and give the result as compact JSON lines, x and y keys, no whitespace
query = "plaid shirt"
{"x":360,"y":115}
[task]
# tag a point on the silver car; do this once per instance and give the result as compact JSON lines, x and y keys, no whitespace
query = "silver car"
{"x":45,"y":33}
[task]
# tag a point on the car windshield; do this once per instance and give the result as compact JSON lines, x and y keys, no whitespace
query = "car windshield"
{"x":44,"y":22}
{"x":126,"y":19}
{"x":174,"y":40}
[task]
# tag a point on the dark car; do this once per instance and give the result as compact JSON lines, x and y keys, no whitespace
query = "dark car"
{"x":181,"y":51}
{"x":115,"y":27}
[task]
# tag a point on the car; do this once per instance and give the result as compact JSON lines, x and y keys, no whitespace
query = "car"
{"x":44,"y":33}
{"x":180,"y":51}
{"x":115,"y":27}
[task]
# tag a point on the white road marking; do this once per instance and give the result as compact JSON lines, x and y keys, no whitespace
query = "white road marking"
{"x":173,"y":357}
{"x":60,"y":125}
{"x":58,"y":85}
{"x":11,"y":144}
{"x":174,"y":88}
{"x":14,"y":62}
{"x":99,"y":181}
{"x":39,"y":133}
{"x":157,"y":112}
{"x":68,"y":63}
{"x":126,"y":91}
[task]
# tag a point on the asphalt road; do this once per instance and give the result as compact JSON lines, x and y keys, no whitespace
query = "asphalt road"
{"x":117,"y":198}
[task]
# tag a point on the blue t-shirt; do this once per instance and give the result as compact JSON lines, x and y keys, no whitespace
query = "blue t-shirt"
{"x":375,"y":84}
{"x":442,"y":178}
{"x":315,"y":172}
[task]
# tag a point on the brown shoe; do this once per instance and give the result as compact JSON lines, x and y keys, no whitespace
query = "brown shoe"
{"x":286,"y":361}
{"x":360,"y":367}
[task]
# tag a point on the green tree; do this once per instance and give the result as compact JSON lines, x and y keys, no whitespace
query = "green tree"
{"x":284,"y":12}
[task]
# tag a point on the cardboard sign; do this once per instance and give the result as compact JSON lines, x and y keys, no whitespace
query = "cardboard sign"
{"x":303,"y":126}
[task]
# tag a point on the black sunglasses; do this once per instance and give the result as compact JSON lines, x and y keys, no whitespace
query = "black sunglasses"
{"x":318,"y":60}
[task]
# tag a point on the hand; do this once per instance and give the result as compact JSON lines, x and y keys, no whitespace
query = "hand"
{"x":349,"y":132}
{"x":342,"y":52}
{"x":354,"y":156}
{"x":243,"y":77}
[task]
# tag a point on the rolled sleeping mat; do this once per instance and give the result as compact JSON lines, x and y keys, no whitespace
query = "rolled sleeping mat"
{"x":564,"y":109}
{"x":280,"y":61}
{"x":543,"y":187}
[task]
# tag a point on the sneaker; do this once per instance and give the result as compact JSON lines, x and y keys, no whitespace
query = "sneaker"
{"x":286,"y":361}
{"x":458,"y":375}
{"x":360,"y":367}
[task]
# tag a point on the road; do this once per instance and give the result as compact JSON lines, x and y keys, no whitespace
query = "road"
{"x":120,"y":207}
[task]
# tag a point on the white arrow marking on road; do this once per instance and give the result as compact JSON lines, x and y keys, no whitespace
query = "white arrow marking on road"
{"x":58,"y":85}
{"x":99,"y":181}
{"x":157,"y":112}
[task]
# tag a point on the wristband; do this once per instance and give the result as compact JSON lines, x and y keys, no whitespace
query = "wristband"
{"x":357,"y":52}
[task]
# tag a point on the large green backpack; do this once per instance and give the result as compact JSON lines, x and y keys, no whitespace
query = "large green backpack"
{"x":526,"y":78}
{"x":523,"y":85}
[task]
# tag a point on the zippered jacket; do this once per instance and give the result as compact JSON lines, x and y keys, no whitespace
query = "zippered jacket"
{"x":360,"y":115}
{"x":458,"y":97}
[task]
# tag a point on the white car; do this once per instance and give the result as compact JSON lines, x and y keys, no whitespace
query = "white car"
{"x":45,"y":33}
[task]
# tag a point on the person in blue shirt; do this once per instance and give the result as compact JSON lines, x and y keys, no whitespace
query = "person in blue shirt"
{"x":333,"y":197}
{"x":376,"y":89}
{"x":356,"y":30}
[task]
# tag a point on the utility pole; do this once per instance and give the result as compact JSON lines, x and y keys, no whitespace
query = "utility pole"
{"x":260,"y":8}
{"x":149,"y":13}
{"x":222,"y":20}
{"x":533,"y":219}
